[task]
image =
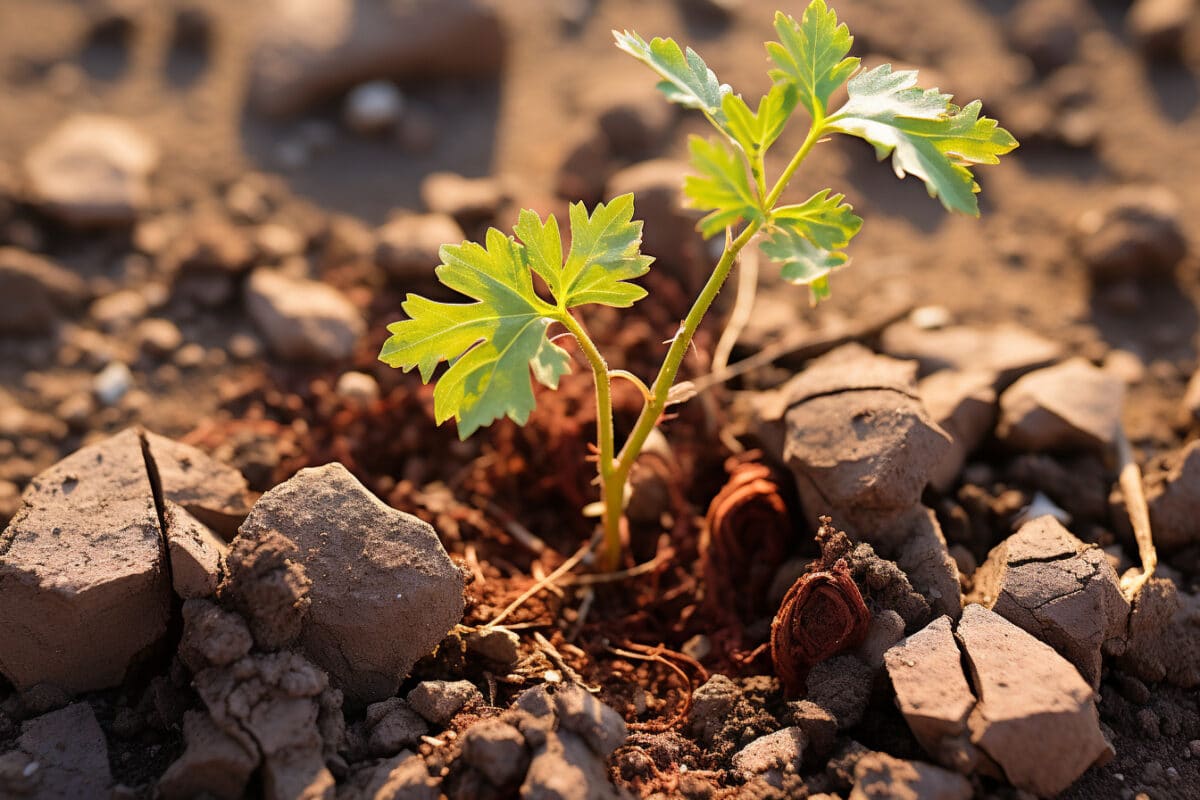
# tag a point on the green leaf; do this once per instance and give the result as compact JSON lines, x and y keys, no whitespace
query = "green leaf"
{"x":722,"y":187}
{"x":605,"y":253}
{"x":811,"y":54}
{"x":757,"y":130}
{"x":926,"y":134}
{"x":803,"y":262}
{"x":686,"y":79}
{"x":823,"y":219}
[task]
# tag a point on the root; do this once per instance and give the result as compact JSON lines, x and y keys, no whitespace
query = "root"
{"x":1139,"y":516}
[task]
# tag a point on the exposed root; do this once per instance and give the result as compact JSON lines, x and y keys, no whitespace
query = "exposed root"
{"x":1139,"y":515}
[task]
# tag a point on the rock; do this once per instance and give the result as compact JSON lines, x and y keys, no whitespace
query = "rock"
{"x":158,"y":337}
{"x":496,"y":749}
{"x":213,"y":765}
{"x":1164,"y":635}
{"x":210,"y":245}
{"x":213,"y":492}
{"x":926,"y":561}
{"x":1173,"y":495}
{"x":65,"y":755}
{"x":1035,"y":717}
{"x":841,"y":685}
{"x":857,"y":439}
{"x":669,"y":233}
{"x":440,"y":701}
{"x":1047,"y":31}
{"x":887,"y":628}
{"x":303,"y":320}
{"x":1137,"y":234}
{"x":393,"y":726}
{"x":197,"y":555}
{"x":409,"y":245}
{"x":311,"y":51}
{"x":112,"y":383}
{"x":1070,"y":406}
{"x":118,"y":310}
{"x":403,"y":777}
{"x":932,"y":693}
{"x":498,"y":645}
{"x":384,"y":592}
{"x":269,"y":586}
{"x":84,"y":574}
{"x":467,"y":200}
{"x":1064,"y":592}
{"x":963,"y":404}
{"x":1160,"y":27}
{"x":1007,"y":351}
{"x":712,"y":702}
{"x":91,"y":170}
{"x":878,"y":775}
{"x":360,"y":388}
{"x":579,"y":712}
{"x":34,"y":291}
{"x":819,"y":726}
{"x":212,"y":636}
{"x":633,"y":119}
{"x":563,"y":768}
{"x":773,"y":755}
{"x":373,"y":108}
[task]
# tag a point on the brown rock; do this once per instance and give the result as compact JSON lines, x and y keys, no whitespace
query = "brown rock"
{"x":1164,"y":637}
{"x":878,"y":776}
{"x":440,"y":701}
{"x":563,"y":768}
{"x":66,"y":754}
{"x":213,"y":765}
{"x":303,"y":320}
{"x":310,"y":51}
{"x":963,"y":404}
{"x":1036,"y":717}
{"x":92,"y":170}
{"x":579,"y":712}
{"x":384,"y":592}
{"x":83,"y":571}
{"x":932,"y":693}
{"x":1173,"y":494}
{"x":1071,"y":406}
{"x":1138,"y":233}
{"x":214,"y":493}
{"x":1062,"y":591}
{"x":268,"y":584}
{"x":197,"y":554}
{"x":408,"y":245}
{"x":926,"y":561}
{"x":403,"y":777}
{"x":393,"y":726}
{"x":496,"y":749}
{"x":1008,"y":351}
{"x":467,"y":200}
{"x":34,"y":291}
{"x":772,"y":755}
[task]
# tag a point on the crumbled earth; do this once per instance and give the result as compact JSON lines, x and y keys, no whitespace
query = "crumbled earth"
{"x":208,"y":215}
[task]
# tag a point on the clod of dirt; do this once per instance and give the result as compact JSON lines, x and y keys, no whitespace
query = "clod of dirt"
{"x":1164,"y":635}
{"x":197,"y":554}
{"x":309,"y":53}
{"x":439,"y":701}
{"x":1138,"y":233}
{"x":211,"y":491}
{"x":34,"y":291}
{"x":92,"y":170}
{"x":878,"y":776}
{"x":467,"y":200}
{"x":1008,"y":351}
{"x":1060,"y":590}
{"x":496,"y":749}
{"x":818,"y":724}
{"x":271,"y":705}
{"x":856,"y":436}
{"x":498,"y":645}
{"x":402,"y":777}
{"x":1036,"y":717}
{"x":886,"y":628}
{"x":392,"y":726}
{"x":214,"y":764}
{"x":772,"y":756}
{"x":60,"y":754}
{"x":212,"y":636}
{"x":302,"y":320}
{"x":384,"y":592}
{"x":1070,"y":406}
{"x":963,"y":404}
{"x":269,"y":586}
{"x":927,"y":562}
{"x":882,"y":582}
{"x":932,"y":693}
{"x":84,"y":575}
{"x":409,"y":244}
{"x":842,"y":686}
{"x":1173,"y":495}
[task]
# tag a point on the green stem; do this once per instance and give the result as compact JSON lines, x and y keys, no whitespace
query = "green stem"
{"x":814,"y":135}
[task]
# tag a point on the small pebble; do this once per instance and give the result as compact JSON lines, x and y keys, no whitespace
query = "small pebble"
{"x":373,"y":108}
{"x":112,"y":382}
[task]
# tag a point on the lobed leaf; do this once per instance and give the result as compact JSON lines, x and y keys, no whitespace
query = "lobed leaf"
{"x":686,"y":79}
{"x":803,"y":262}
{"x":605,"y":254}
{"x":722,"y":187}
{"x":757,"y":130}
{"x":811,"y":55}
{"x":823,"y":219}
{"x":924,"y":132}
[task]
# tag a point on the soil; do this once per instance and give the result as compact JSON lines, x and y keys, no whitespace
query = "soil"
{"x":506,"y":503}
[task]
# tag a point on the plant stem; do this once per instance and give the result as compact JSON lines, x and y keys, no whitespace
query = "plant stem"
{"x":815,"y":132}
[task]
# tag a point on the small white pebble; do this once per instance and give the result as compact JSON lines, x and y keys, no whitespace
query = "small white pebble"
{"x":929,"y":318}
{"x":373,"y":107}
{"x":552,"y":676}
{"x":112,"y":382}
{"x":358,"y":387}
{"x":31,"y":768}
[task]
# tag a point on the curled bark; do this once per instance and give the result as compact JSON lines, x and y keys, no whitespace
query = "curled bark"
{"x":821,"y":615}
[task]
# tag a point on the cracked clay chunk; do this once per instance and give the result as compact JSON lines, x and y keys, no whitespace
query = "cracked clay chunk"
{"x":1164,"y":635}
{"x":213,"y":765}
{"x":1036,"y":717}
{"x":932,"y":693}
{"x":878,"y":776}
{"x":197,"y":554}
{"x":83,"y":575}
{"x":65,"y":754}
{"x":1008,"y":351}
{"x":1070,"y":406}
{"x":267,"y":585}
{"x":1057,"y":588}
{"x":211,"y":491}
{"x":1173,"y":495}
{"x":384,"y":592}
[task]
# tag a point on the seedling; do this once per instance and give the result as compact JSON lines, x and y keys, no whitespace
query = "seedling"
{"x":494,"y":343}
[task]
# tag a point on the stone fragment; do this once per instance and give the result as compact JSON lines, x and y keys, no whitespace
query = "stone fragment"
{"x":384,"y":592}
{"x":439,"y":701}
{"x":819,"y":726}
{"x":92,"y":170}
{"x":409,"y":244}
{"x":878,"y":776}
{"x":1008,"y":351}
{"x":1035,"y":717}
{"x":467,"y":200}
{"x":927,"y":562}
{"x":842,"y":686}
{"x":212,"y":636}
{"x":772,"y":755}
{"x":214,"y":764}
{"x":1160,"y":27}
{"x":65,"y":755}
{"x":886,"y":628}
{"x":34,"y":292}
{"x":402,"y":777}
{"x":498,"y":645}
{"x":158,"y":337}
{"x":1137,"y":234}
{"x":1164,"y":635}
{"x":83,"y":572}
{"x":197,"y":555}
{"x":932,"y":693}
{"x":1064,"y":592}
{"x":1071,"y":406}
{"x":393,"y":726}
{"x":373,"y":108}
{"x":213,"y":492}
{"x":112,"y":383}
{"x":496,"y":749}
{"x":303,"y":320}
{"x":1173,"y":495}
{"x":314,"y":50}
{"x":712,"y":702}
{"x":269,"y":586}
{"x":963,"y":404}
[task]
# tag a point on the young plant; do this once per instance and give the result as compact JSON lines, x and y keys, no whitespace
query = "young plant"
{"x":494,"y":343}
